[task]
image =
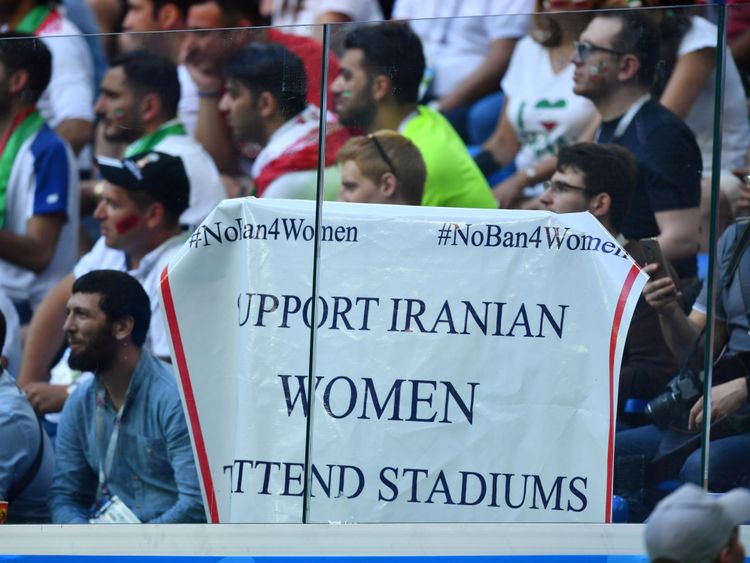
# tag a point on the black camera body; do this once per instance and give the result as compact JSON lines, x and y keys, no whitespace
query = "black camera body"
{"x":671,"y":409}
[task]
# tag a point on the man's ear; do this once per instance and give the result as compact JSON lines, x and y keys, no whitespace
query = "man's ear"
{"x":629,"y":66}
{"x":151,"y":107}
{"x":381,"y":87}
{"x":123,"y":328}
{"x":600,"y":204}
{"x":4,"y":362}
{"x":169,"y":17}
{"x":388,"y":184}
{"x":154,"y":215}
{"x":267,"y":104}
{"x":18,"y":82}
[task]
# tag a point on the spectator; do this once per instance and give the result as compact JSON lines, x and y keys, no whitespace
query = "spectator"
{"x":66,"y":104}
{"x":615,"y":64}
{"x":206,"y":55}
{"x":666,"y":451}
{"x":138,"y":105}
{"x":541,"y":113}
{"x":600,"y":179}
{"x":383,"y":167}
{"x":38,"y":181}
{"x":26,"y":456}
{"x":143,"y":17}
{"x":467,"y":45}
{"x":692,"y":526}
{"x":132,"y":405}
{"x":266,"y":105}
{"x":142,"y":200}
{"x":687,"y":84}
{"x":109,"y":15}
{"x":377,"y":88}
{"x":687,"y":87}
{"x":308,"y":16}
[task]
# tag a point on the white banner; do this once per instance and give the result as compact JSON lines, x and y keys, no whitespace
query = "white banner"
{"x":466,"y":362}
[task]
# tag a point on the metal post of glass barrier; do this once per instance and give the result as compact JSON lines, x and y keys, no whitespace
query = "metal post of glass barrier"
{"x":721,"y":45}
{"x":316,"y":270}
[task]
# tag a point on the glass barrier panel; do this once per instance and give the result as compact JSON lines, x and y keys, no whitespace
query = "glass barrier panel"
{"x":722,"y":463}
{"x":471,"y":338}
{"x":163,"y":194}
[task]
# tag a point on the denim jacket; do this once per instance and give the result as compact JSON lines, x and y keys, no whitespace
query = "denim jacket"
{"x":153,"y":469}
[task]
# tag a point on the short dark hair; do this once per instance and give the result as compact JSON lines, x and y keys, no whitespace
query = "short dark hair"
{"x":19,"y":51}
{"x":639,"y":36}
{"x":121,"y":296}
{"x":148,"y":73}
{"x":271,"y":67}
{"x":182,"y":5}
{"x":393,"y":50}
{"x":233,"y":11}
{"x":607,"y":168}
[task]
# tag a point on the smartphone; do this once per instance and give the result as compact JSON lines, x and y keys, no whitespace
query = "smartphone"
{"x":653,"y":253}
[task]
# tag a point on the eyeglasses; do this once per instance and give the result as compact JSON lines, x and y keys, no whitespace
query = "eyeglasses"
{"x":582,"y":50}
{"x":559,"y":187}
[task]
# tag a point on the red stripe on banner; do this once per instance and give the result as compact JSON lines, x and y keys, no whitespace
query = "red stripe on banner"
{"x":621,"y":302}
{"x":187,"y":390}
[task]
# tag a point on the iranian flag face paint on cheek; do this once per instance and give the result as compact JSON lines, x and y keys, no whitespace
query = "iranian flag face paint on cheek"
{"x":126,"y":224}
{"x":117,"y":115}
{"x":597,"y":71}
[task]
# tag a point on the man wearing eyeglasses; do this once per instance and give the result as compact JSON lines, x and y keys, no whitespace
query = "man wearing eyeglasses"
{"x":616,"y":60}
{"x":600,"y":179}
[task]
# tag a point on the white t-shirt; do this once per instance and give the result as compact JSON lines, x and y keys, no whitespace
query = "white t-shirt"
{"x":206,"y":188}
{"x":43,"y":180}
{"x":542,"y":108}
{"x":735,"y":129}
{"x":70,"y":94}
{"x":310,"y":10}
{"x":455,"y":45}
{"x":187,"y":109}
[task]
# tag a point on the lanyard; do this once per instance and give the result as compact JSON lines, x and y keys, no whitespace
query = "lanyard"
{"x":626,"y":119}
{"x":105,"y":461}
{"x":148,"y":142}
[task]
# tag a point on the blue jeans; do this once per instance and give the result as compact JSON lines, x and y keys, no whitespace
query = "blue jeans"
{"x":636,"y":450}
